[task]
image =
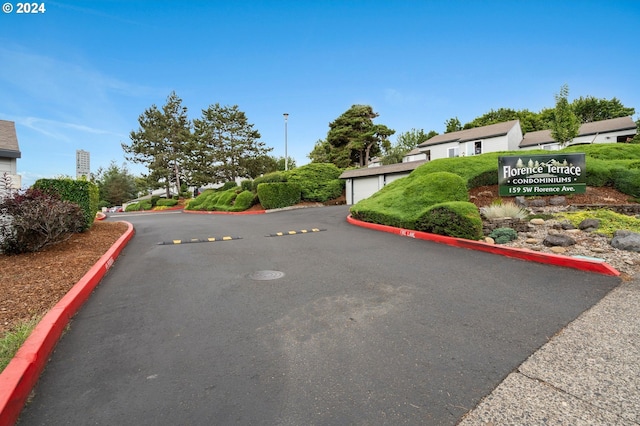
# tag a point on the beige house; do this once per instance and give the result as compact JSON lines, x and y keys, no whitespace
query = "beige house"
{"x":9,"y":152}
{"x":621,"y":129}
{"x":478,"y":140}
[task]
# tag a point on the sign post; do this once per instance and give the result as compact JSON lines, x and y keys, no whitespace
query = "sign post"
{"x":545,"y":174}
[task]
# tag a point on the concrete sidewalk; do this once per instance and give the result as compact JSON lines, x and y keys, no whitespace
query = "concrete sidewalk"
{"x":588,"y":374}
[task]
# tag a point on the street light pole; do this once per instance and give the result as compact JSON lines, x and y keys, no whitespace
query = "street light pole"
{"x":286,"y":158}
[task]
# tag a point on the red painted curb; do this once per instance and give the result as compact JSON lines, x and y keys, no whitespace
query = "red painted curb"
{"x":22,"y":373}
{"x":522,"y":254}
{"x":219,"y":212}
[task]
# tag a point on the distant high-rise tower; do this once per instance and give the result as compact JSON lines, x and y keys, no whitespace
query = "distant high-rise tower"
{"x":83,"y":167}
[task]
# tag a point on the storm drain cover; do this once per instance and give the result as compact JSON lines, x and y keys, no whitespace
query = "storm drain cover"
{"x":266,"y":275}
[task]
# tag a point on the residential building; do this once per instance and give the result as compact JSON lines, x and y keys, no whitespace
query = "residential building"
{"x":479,"y":140}
{"x":9,"y":152}
{"x":614,"y":130}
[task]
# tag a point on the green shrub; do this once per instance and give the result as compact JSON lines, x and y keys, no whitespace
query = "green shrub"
{"x":154,"y":200}
{"x":319,"y":181}
{"x":196,"y":203}
{"x":627,"y":181}
{"x":460,"y":219}
{"x":163,"y":202}
{"x":503,"y":235}
{"x":81,"y":192}
{"x":598,"y":173}
{"x":243,"y":201}
{"x":139,"y":206}
{"x":403,"y":201}
{"x":37,"y":219}
{"x":477,"y":170}
{"x":269,"y":178}
{"x":486,"y":178}
{"x":246,"y":185}
{"x":227,"y":186}
{"x":279,"y":194}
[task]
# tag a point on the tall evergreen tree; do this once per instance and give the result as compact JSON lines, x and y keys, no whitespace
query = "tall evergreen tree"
{"x":225,"y":145}
{"x":353,"y":138}
{"x":161,"y":142}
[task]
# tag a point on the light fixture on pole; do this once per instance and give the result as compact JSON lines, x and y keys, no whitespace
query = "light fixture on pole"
{"x":286,"y":159}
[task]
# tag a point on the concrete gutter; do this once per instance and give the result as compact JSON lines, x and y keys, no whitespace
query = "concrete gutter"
{"x":20,"y":376}
{"x":588,"y":265}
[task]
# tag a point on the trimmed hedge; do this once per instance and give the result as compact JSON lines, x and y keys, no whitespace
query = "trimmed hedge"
{"x":243,"y":201}
{"x":404,"y":200}
{"x":269,"y":178}
{"x":81,"y":192}
{"x":460,"y":219}
{"x":627,"y":181}
{"x":279,"y":194}
{"x":318,"y":181}
{"x":227,"y":186}
{"x":139,"y":206}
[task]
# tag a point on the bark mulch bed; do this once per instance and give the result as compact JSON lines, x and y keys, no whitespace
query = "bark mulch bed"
{"x":32,"y":283}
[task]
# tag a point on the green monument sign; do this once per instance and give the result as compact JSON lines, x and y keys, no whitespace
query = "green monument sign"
{"x":545,"y":174}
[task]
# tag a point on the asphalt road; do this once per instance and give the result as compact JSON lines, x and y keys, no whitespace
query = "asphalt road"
{"x":363,"y":328}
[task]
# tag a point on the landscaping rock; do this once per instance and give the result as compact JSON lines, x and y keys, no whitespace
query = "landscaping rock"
{"x":489,"y":240}
{"x":565,"y":224}
{"x":626,"y":240}
{"x":589,"y":225}
{"x":538,"y":202}
{"x":558,"y":240}
{"x":521,"y":202}
{"x":537,"y":221}
{"x":558,"y":201}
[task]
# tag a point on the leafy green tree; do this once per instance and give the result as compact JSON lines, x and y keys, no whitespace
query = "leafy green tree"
{"x":291,"y":164}
{"x":590,"y":109}
{"x":565,"y":124}
{"x":116,"y":184}
{"x":321,"y":152}
{"x":260,"y":165}
{"x":406,"y":142}
{"x":529,"y":121}
{"x":452,"y":125}
{"x":225,"y":145}
{"x":353,"y":138}
{"x":161,"y":142}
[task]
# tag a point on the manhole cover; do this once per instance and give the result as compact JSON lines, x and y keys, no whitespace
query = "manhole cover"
{"x":266,"y":275}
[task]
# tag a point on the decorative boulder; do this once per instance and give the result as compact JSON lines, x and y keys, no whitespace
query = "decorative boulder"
{"x":558,"y":201}
{"x":626,"y":240}
{"x":558,"y":240}
{"x":537,"y":202}
{"x":589,"y":224}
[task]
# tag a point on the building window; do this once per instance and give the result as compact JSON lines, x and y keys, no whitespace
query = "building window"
{"x":477,"y":148}
{"x":453,"y":152}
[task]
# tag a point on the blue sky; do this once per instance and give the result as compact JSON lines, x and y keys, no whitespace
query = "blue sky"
{"x":78,"y":75}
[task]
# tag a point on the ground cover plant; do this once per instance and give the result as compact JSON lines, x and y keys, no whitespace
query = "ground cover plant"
{"x":609,"y":221}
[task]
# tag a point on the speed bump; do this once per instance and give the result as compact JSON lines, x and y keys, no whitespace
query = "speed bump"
{"x":302,"y":231}
{"x":198,"y":240}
